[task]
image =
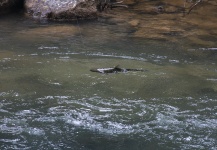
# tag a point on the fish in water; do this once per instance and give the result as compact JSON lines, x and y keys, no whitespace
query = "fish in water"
{"x":115,"y":69}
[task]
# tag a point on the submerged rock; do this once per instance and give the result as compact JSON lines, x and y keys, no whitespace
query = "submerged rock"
{"x":61,"y":9}
{"x":51,"y":32}
{"x":115,"y":69}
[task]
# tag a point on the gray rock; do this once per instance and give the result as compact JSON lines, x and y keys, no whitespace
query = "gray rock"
{"x":61,"y":9}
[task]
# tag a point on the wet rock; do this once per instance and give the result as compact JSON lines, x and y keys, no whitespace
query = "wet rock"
{"x":7,"y":6}
{"x":158,"y":7}
{"x":61,"y":9}
{"x":168,"y":20}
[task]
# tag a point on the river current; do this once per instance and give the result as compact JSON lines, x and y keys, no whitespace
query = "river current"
{"x":49,"y":99}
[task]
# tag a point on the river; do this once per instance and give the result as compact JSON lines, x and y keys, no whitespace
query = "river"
{"x":49,"y":99}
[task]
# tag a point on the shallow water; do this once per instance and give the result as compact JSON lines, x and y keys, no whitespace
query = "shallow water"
{"x":50,"y":99}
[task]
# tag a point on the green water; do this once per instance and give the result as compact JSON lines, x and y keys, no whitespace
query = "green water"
{"x":50,"y":99}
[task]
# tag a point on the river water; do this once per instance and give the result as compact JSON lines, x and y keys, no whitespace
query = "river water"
{"x":50,"y":100}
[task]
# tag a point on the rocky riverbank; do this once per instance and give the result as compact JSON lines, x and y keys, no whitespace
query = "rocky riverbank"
{"x":73,"y":9}
{"x":161,"y":19}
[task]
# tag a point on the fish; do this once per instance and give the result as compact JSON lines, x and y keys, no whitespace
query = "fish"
{"x":115,"y":69}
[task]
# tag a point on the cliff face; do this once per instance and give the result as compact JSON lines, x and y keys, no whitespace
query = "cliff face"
{"x":61,"y":9}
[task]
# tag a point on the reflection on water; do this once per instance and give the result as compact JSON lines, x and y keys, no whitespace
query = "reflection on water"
{"x":50,"y":99}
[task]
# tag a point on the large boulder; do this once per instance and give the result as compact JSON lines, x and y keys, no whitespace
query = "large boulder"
{"x":61,"y":9}
{"x":7,"y":6}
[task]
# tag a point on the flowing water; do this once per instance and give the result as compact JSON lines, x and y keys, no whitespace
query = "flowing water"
{"x":50,"y":100}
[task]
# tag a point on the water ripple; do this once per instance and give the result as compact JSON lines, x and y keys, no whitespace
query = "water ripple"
{"x":161,"y":120}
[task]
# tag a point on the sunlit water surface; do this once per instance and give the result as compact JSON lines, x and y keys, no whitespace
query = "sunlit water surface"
{"x":50,"y":99}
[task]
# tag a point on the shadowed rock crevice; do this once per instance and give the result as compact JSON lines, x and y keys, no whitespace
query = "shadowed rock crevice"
{"x":7,"y":6}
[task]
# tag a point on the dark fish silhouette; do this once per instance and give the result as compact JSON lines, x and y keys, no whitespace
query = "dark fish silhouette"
{"x":115,"y":69}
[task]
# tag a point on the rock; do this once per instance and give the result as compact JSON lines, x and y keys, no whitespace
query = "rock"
{"x":7,"y":6}
{"x":61,"y":9}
